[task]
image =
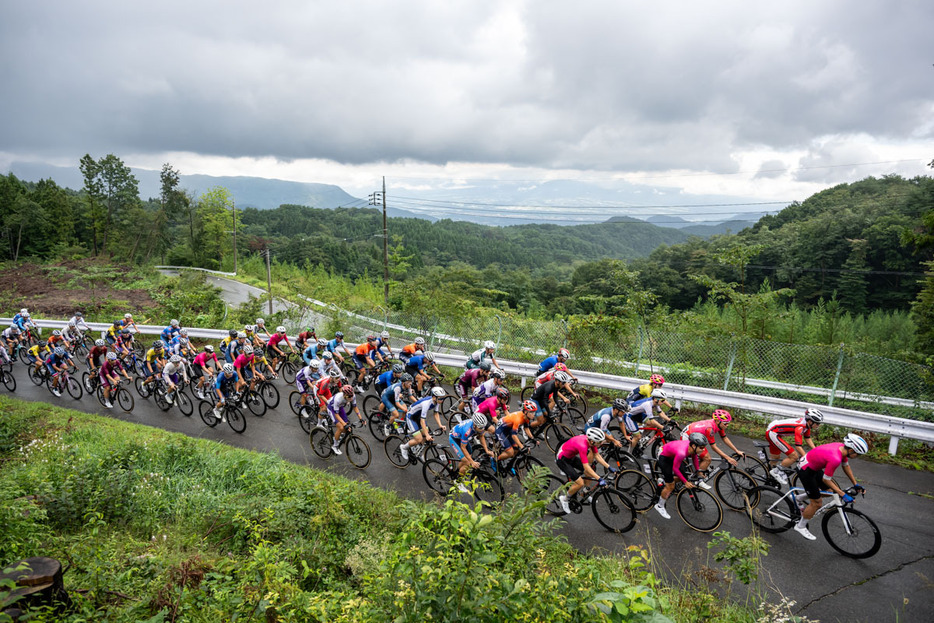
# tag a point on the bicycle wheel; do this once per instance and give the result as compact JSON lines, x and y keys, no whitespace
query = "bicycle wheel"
{"x":255,"y":403}
{"x":525,"y":393}
{"x":576,"y":417}
{"x":699,"y":509}
{"x":125,"y":400}
{"x":184,"y":403}
{"x":295,"y":402}
{"x":8,"y":381}
{"x":756,"y":469}
{"x":142,"y":388}
{"x":555,"y":434}
{"x":358,"y":452}
{"x":378,"y":423}
{"x":158,"y":396}
{"x":734,"y":486}
{"x":447,"y":403}
{"x":206,"y":411}
{"x":524,"y":464}
{"x":73,"y":387}
{"x":288,"y":371}
{"x":370,"y":404}
{"x":580,"y":403}
{"x":235,"y":420}
{"x":438,"y":476}
{"x":613,"y":510}
{"x":656,"y":447}
{"x":639,"y":488}
{"x":321,"y":441}
{"x":851,"y":532}
{"x":552,"y":487}
{"x":391,"y":447}
{"x":37,"y":377}
{"x":773,"y":511}
{"x":270,"y":394}
{"x":87,"y":383}
{"x":488,"y":488}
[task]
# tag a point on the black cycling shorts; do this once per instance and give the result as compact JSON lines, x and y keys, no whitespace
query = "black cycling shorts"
{"x":666,"y":465}
{"x":572,"y":467}
{"x":812,"y":482}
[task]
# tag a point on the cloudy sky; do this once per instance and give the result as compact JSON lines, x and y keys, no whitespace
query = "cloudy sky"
{"x":754,"y":100}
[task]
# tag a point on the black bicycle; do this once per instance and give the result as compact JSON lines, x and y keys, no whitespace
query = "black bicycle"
{"x":356,"y":449}
{"x":610,"y":506}
{"x":443,"y":476}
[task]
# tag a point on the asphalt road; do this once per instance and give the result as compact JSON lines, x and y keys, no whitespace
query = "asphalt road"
{"x":896,"y":584}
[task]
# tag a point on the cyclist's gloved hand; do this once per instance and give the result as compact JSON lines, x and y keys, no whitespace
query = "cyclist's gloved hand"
{"x":602,"y":482}
{"x":859,"y":487}
{"x":613,"y":470}
{"x":847,"y":497}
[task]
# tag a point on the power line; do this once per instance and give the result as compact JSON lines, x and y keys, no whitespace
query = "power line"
{"x":595,"y":207}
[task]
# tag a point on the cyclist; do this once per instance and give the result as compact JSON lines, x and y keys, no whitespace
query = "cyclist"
{"x":416,"y":367}
{"x":573,"y":459}
{"x":604,"y":417}
{"x":124,"y":344}
{"x":97,"y":351}
{"x":488,"y":387}
{"x":306,"y":338}
{"x":321,"y":393}
{"x":645,"y":391}
{"x":395,"y":399}
{"x":801,"y":429}
{"x":235,"y":349}
{"x":326,"y":365}
{"x":460,"y":439}
{"x":546,"y":393}
{"x":363,"y":360}
{"x":11,"y":337}
{"x":314,"y":351}
{"x":34,"y":357}
{"x":273,"y":344}
{"x":58,"y":361}
{"x":260,"y":362}
{"x":338,"y":406}
{"x":70,"y":334}
{"x":816,"y":473}
{"x":129,"y":322}
{"x":493,"y":405}
{"x":170,"y":332}
{"x":541,"y":379}
{"x":469,"y":381}
{"x":482,"y":354}
{"x":508,"y":430}
{"x":547,"y":364}
{"x":154,"y":360}
{"x":389,"y":377}
{"x":21,"y":319}
{"x":55,"y":340}
{"x":338,"y":342}
{"x":179,"y":345}
{"x":261,"y":331}
{"x":244,"y":364}
{"x":224,"y":384}
{"x":113,"y":330}
{"x":80,"y":324}
{"x":109,"y":376}
{"x":173,"y":371}
{"x":671,"y":458}
{"x":304,"y":383}
{"x":416,"y":420}
{"x":203,"y":368}
{"x":410,"y":349}
{"x":383,"y":341}
{"x":710,"y":428}
{"x":251,"y":337}
{"x":226,"y":342}
{"x":643,"y":412}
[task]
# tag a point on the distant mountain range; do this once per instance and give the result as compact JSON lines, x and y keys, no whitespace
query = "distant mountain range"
{"x":558,"y":202}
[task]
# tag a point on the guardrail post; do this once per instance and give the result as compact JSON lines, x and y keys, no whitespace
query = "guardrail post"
{"x":729,"y":366}
{"x":893,"y":445}
{"x":836,"y":379}
{"x":639,"y":356}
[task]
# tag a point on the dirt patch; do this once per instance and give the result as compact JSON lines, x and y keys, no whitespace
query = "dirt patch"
{"x":62,"y":288}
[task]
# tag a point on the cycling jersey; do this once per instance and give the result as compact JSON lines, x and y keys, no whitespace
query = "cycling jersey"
{"x":203,"y":358}
{"x":490,"y":406}
{"x":826,"y":457}
{"x":393,"y":395}
{"x":96,"y":353}
{"x":152,"y":355}
{"x":226,"y":383}
{"x":323,"y":388}
{"x":543,"y":392}
{"x":706,"y":427}
{"x":544,"y":378}
{"x":547,"y":364}
{"x":168,"y":333}
{"x":173,"y":370}
{"x":416,"y":363}
{"x":419,"y":412}
{"x":639,"y":393}
{"x":407,"y":351}
{"x":310,"y":353}
{"x":364,"y":350}
{"x":476,"y":358}
{"x":484,"y":390}
{"x":575,"y":447}
{"x":462,"y":433}
{"x":110,"y":368}
{"x":339,"y":404}
{"x":602,"y":418}
{"x":303,"y":337}
{"x":793,"y":426}
{"x":55,"y":360}
{"x":676,"y":452}
{"x":277,"y":338}
{"x":334,"y":344}
{"x":641,"y":411}
{"x":385,"y":379}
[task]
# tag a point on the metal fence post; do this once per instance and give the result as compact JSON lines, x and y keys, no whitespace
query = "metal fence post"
{"x":729,"y":366}
{"x":836,"y":379}
{"x":499,"y":334}
{"x":564,"y":323}
{"x":639,"y":356}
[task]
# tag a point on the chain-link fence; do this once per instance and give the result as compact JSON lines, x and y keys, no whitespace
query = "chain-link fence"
{"x":818,"y":374}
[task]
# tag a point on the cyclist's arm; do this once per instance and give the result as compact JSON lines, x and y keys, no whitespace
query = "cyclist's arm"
{"x":727,"y":441}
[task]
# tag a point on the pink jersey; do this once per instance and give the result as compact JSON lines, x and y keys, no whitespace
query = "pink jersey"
{"x":705,"y":427}
{"x":490,"y":406}
{"x":826,"y":457}
{"x":278,"y":337}
{"x":243,"y":360}
{"x":678,"y":451}
{"x":577,"y":445}
{"x":203,"y":358}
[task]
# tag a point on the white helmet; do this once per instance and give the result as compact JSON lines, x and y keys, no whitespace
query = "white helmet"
{"x":420,"y":341}
{"x":24,"y":312}
{"x":429,"y":357}
{"x":247,"y":350}
{"x":489,"y":344}
{"x":327,"y":355}
{"x":280,"y":329}
{"x":856,"y":443}
{"x":260,"y":321}
{"x":175,"y":359}
{"x":479,"y":420}
{"x":562,"y":377}
{"x":660,"y":394}
{"x":384,"y":335}
{"x":128,"y":316}
{"x":595,"y":435}
{"x":228,"y":368}
{"x":438,"y":392}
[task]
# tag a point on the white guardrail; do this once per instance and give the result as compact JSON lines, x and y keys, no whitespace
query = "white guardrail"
{"x":896,"y":428}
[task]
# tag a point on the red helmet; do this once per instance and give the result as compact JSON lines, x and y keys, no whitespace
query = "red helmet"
{"x":347,"y":390}
{"x":723,"y":416}
{"x":529,"y":406}
{"x":560,"y":367}
{"x":503,"y":394}
{"x":657,"y":379}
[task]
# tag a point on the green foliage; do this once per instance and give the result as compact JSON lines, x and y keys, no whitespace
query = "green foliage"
{"x":742,"y":556}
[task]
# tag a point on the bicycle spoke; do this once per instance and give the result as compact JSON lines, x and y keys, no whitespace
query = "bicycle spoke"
{"x":613,"y":511}
{"x":699,"y":509}
{"x":851,"y":533}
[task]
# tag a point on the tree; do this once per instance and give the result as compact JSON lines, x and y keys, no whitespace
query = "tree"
{"x":216,"y":221}
{"x":112,"y":191}
{"x":853,"y":284}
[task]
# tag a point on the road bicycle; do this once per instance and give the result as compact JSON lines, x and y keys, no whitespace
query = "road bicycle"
{"x":569,"y":414}
{"x":554,"y":432}
{"x":369,"y":376}
{"x":698,"y":508}
{"x":307,"y":414}
{"x":229,"y":412}
{"x":653,"y":438}
{"x":849,"y":531}
{"x":160,"y":396}
{"x":356,"y":449}
{"x":422,"y":452}
{"x":268,"y":392}
{"x":6,"y":377}
{"x":513,"y":473}
{"x":760,"y":468}
{"x":378,"y":419}
{"x":72,"y":386}
{"x":286,"y":367}
{"x":443,"y":476}
{"x":119,"y":395}
{"x":611,"y":507}
{"x":733,"y":485}
{"x":579,"y":402}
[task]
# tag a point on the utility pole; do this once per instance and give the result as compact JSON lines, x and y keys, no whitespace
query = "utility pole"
{"x":374,"y":199}
{"x":235,"y":235}
{"x":268,"y":279}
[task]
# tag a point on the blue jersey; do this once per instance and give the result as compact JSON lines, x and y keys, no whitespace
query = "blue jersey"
{"x":416,"y":361}
{"x":601,"y":419}
{"x":310,"y":353}
{"x":463,"y":431}
{"x":223,"y":381}
{"x":385,"y":378}
{"x":55,"y":360}
{"x":168,"y":333}
{"x":333,"y":345}
{"x":547,"y":364}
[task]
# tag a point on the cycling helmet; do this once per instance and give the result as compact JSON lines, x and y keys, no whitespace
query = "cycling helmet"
{"x":183,"y":332}
{"x":56,"y":332}
{"x":503,"y":394}
{"x":157,"y":344}
{"x":657,"y":379}
{"x":498,"y":374}
{"x":563,"y":353}
{"x":406,"y":378}
{"x":560,"y":367}
{"x":80,"y":315}
{"x":111,"y":356}
{"x":208,"y":348}
{"x":723,"y":416}
{"x":371,"y":338}
{"x":334,"y":374}
{"x":59,"y":351}
{"x":347,"y":390}
{"x":595,"y":435}
{"x":438,"y":392}
{"x":339,"y":335}
{"x":479,"y":420}
{"x":562,"y":377}
{"x":309,"y":329}
{"x":260,"y":321}
{"x":100,"y":343}
{"x":322,"y":343}
{"x":247,"y":327}
{"x":240,"y":335}
{"x":182,"y":340}
{"x":398,"y":368}
{"x":124,"y":332}
{"x":489,"y":344}
{"x":173,"y":322}
{"x":175,"y":359}
{"x":125,"y":316}
{"x":384,"y":335}
{"x":418,"y":353}
{"x":71,"y":323}
{"x":698,"y":439}
{"x":228,"y":369}
{"x":485,"y":366}
{"x":280,"y":329}
{"x":429,"y":357}
{"x":26,"y":314}
{"x":420,"y":341}
{"x":232,"y":333}
{"x":327,"y":355}
{"x":814,"y":416}
{"x":659,"y":394}
{"x":856,"y":443}
{"x":16,"y":330}
{"x":247,"y":350}
{"x":620,"y":404}
{"x":529,"y":406}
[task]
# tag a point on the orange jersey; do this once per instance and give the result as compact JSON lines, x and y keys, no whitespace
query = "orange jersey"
{"x":365,"y":349}
{"x":515,"y":420}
